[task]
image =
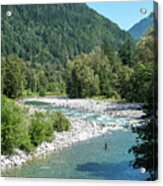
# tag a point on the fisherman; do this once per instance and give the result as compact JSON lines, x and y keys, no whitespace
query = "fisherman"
{"x":106,"y":146}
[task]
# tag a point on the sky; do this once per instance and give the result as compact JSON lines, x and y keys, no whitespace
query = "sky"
{"x":125,"y":14}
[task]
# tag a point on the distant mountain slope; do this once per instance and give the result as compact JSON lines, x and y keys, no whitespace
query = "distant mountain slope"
{"x":139,"y":29}
{"x":56,"y":33}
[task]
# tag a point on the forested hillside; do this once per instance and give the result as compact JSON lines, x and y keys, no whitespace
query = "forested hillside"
{"x":38,"y":40}
{"x":56,"y":33}
{"x":72,"y":50}
{"x":140,"y":28}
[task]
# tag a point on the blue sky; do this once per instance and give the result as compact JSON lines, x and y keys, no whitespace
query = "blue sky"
{"x":125,"y":14}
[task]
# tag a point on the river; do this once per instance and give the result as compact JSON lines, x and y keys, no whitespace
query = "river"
{"x":89,"y":159}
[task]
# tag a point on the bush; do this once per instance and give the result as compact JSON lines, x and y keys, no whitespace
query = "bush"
{"x":40,"y":129}
{"x":59,"y":121}
{"x":14,"y":132}
{"x":42,"y":92}
{"x":26,"y":144}
{"x":18,"y":130}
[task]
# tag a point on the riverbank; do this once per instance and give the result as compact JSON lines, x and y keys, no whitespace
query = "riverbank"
{"x":132,"y":110}
{"x":80,"y":130}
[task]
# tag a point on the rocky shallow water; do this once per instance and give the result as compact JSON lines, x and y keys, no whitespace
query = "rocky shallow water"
{"x":80,"y":130}
{"x":133,"y":110}
{"x":89,"y":119}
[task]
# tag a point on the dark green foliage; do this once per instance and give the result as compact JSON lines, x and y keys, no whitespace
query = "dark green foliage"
{"x":81,"y":78}
{"x":143,"y":78}
{"x":127,"y":53}
{"x":57,"y":32}
{"x":98,"y":73}
{"x":146,"y":148}
{"x":13,"y":78}
{"x":40,"y":129}
{"x":31,"y":78}
{"x":141,"y":83}
{"x":45,"y":42}
{"x":123,"y":84}
{"x":19,"y":77}
{"x":14,"y":131}
{"x":59,"y":121}
{"x":3,"y":73}
{"x":42,"y":92}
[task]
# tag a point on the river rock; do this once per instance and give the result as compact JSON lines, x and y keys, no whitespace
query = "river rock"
{"x":81,"y":129}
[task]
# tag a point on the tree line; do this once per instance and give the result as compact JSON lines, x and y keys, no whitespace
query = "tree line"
{"x":126,"y":74}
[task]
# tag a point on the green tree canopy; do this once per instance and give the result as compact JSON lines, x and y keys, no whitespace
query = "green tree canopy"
{"x":13,"y":77}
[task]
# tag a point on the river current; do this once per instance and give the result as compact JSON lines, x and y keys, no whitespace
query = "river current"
{"x":89,"y":159}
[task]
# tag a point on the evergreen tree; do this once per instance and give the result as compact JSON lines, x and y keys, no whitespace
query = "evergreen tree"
{"x":81,"y":79}
{"x":146,"y":149}
{"x":13,"y":77}
{"x":127,"y":53}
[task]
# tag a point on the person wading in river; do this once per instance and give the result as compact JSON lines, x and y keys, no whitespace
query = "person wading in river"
{"x":106,"y":146}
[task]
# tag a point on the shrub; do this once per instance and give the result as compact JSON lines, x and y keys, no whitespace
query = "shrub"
{"x":40,"y":129}
{"x":59,"y":121}
{"x":18,"y":130}
{"x":42,"y":92}
{"x":14,"y":132}
{"x":26,"y":144}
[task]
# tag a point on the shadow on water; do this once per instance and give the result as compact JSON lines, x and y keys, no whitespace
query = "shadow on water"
{"x":112,"y":171}
{"x":145,"y":149}
{"x":89,"y":164}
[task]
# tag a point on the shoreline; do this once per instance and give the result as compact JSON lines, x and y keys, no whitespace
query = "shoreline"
{"x":133,"y":110}
{"x":81,"y":130}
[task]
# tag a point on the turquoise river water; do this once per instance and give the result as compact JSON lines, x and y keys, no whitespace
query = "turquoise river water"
{"x":88,"y":159}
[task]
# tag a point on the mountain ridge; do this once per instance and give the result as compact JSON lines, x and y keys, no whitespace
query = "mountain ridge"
{"x":56,"y":32}
{"x":139,"y":29}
